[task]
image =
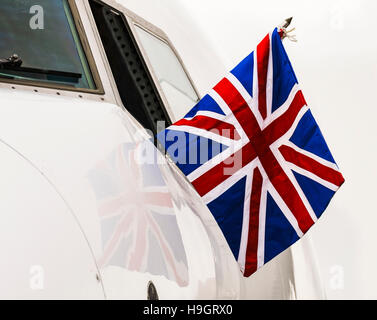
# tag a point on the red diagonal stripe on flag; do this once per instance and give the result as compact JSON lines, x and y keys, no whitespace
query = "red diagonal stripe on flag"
{"x":286,"y":190}
{"x":216,"y":175}
{"x":281,"y":125}
{"x":207,"y":123}
{"x":311,"y":165}
{"x":239,"y":107}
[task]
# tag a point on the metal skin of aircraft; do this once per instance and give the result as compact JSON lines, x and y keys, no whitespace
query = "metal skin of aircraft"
{"x":80,"y":219}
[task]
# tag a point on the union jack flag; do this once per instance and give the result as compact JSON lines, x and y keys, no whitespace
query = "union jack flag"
{"x":256,"y":156}
{"x":138,"y":223}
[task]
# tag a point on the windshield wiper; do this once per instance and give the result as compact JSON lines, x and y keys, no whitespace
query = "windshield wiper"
{"x":12,"y":67}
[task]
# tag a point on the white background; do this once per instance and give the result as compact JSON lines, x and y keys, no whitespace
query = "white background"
{"x":335,"y":61}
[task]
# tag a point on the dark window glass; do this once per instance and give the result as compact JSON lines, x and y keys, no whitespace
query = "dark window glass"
{"x":52,"y":53}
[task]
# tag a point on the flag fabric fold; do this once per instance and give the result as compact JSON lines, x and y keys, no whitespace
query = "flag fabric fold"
{"x":254,"y":153}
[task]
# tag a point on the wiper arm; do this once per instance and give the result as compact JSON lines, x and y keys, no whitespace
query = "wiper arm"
{"x":12,"y":67}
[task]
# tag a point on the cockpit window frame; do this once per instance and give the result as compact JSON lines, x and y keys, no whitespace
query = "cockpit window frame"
{"x":89,"y":57}
{"x":136,"y":21}
{"x":157,"y":33}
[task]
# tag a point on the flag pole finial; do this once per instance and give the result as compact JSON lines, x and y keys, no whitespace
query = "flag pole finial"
{"x":284,"y":33}
{"x":287,"y":22}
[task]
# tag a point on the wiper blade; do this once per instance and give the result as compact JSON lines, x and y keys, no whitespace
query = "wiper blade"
{"x":12,"y":67}
{"x":41,"y":74}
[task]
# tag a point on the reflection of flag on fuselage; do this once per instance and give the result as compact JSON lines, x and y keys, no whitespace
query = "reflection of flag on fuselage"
{"x":254,"y":153}
{"x":138,"y":223}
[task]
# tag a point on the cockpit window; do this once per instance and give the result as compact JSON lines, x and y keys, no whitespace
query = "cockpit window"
{"x":39,"y":42}
{"x":173,"y":79}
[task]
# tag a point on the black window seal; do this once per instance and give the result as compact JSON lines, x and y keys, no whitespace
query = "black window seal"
{"x":123,"y":13}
